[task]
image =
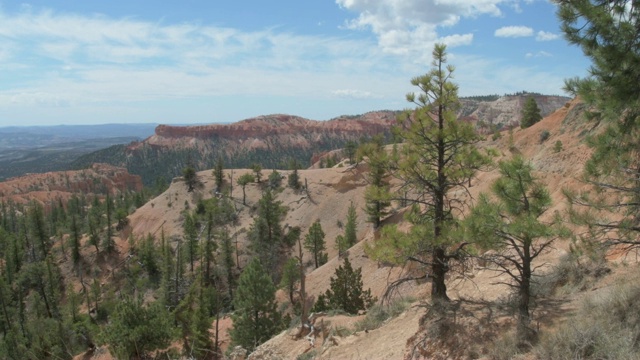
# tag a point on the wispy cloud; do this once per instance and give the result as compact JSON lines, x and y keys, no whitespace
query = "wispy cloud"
{"x":546,"y":36}
{"x":355,"y":94}
{"x":538,"y":54}
{"x":513,"y":31}
{"x":100,"y":59}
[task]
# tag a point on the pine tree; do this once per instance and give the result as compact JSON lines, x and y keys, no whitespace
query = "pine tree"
{"x":228,"y":265}
{"x":191,"y":239}
{"x":267,"y":235}
{"x":345,"y":292}
{"x":257,"y":171}
{"x":293,"y":180}
{"x":511,"y":226}
{"x":350,"y":148}
{"x":208,"y":251}
{"x":377,"y":195}
{"x":275,"y":179}
{"x":256,"y":318}
{"x":350,"y":233}
{"x":38,"y":229}
{"x":315,"y":244}
{"x":109,"y":245}
{"x":149,"y":257}
{"x":75,"y":241}
{"x":135,"y":330}
{"x":608,"y":33}
{"x":290,"y":278}
{"x":190,"y":178}
{"x":243,"y":181}
{"x":530,"y":113}
{"x":438,"y":156}
{"x":218,"y":174}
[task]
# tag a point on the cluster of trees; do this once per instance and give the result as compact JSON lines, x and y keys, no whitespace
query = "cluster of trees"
{"x":41,"y":315}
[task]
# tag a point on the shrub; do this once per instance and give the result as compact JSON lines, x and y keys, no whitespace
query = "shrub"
{"x":606,"y":326}
{"x":544,"y":135}
{"x":558,"y":146}
{"x":378,"y":314}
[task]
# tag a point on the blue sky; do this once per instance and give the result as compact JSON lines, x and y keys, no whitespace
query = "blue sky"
{"x":203,"y":61}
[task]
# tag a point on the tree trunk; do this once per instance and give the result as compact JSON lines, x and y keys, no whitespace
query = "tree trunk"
{"x":438,"y":271}
{"x":524,"y":294}
{"x":216,"y":344}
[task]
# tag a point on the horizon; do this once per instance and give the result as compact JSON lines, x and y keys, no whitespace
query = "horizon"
{"x":205,"y":63}
{"x":239,"y":120}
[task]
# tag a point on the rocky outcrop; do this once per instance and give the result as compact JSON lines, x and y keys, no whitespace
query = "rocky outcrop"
{"x":506,"y":111}
{"x":277,"y":125}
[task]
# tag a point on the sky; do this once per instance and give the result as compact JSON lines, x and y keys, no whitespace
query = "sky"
{"x":203,"y":61}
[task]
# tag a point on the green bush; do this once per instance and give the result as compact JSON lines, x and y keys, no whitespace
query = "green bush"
{"x":544,"y":135}
{"x":558,"y":146}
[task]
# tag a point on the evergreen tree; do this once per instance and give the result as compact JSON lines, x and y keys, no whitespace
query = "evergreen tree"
{"x":511,"y":226}
{"x":190,"y":178}
{"x":377,"y":195}
{"x":226,"y":254}
{"x":275,"y":179}
{"x":350,"y":233}
{"x":293,"y":180}
{"x":341,"y":245}
{"x":256,"y":318}
{"x":257,"y":171}
{"x":135,"y":330}
{"x":608,"y":33}
{"x":218,"y":174}
{"x":530,"y":113}
{"x":345,"y":292}
{"x":191,"y":238}
{"x":268,"y":239}
{"x":75,"y":241}
{"x":209,"y":250}
{"x":438,"y":156}
{"x":109,"y":244}
{"x":149,"y":257}
{"x":38,"y":229}
{"x":243,"y":181}
{"x":290,"y":278}
{"x":315,"y":244}
{"x":350,"y":148}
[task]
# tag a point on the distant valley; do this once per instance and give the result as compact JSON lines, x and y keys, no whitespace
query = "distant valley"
{"x":38,"y":149}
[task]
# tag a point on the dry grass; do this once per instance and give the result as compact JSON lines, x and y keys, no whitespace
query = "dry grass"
{"x":606,"y":326}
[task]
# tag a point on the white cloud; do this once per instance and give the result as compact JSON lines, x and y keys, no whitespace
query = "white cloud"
{"x":411,"y":26}
{"x":538,"y":54}
{"x":354,"y":94}
{"x":546,"y":36}
{"x":514,"y":31}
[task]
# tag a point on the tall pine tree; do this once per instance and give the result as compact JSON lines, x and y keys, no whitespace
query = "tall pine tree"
{"x":438,"y":156}
{"x":256,"y":318}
